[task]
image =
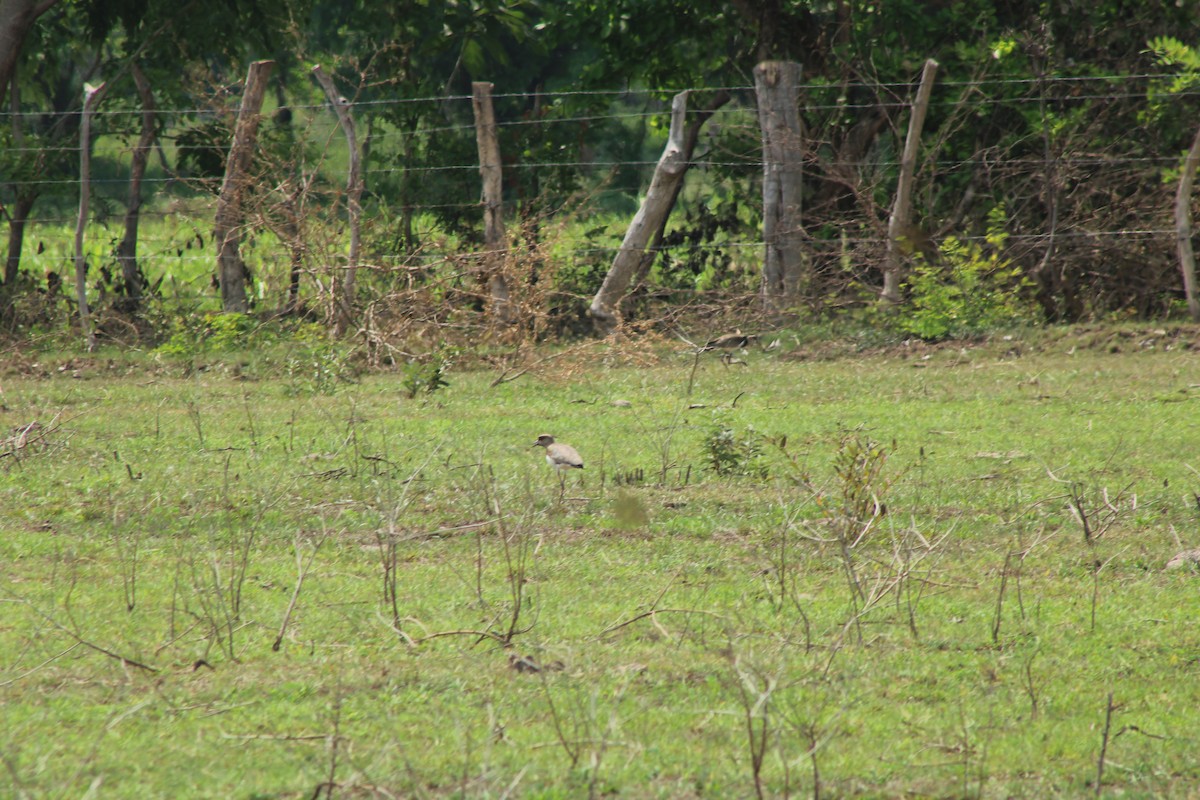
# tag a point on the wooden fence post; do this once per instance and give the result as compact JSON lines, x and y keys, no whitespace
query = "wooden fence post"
{"x":343,"y":290}
{"x":1183,"y":228}
{"x":494,"y":241}
{"x":900,"y":222}
{"x":668,"y":175}
{"x":91,"y":97}
{"x":231,"y":272}
{"x":776,"y":86}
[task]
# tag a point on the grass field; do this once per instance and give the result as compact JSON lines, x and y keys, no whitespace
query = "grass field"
{"x":932,"y":572}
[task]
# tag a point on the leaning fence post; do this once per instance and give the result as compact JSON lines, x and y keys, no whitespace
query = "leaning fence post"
{"x":900,"y":223}
{"x":1183,"y":228}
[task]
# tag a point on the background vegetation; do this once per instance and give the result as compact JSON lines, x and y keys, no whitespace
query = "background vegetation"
{"x":1051,"y":151}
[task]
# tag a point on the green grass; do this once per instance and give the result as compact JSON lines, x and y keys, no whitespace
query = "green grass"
{"x":977,"y":661}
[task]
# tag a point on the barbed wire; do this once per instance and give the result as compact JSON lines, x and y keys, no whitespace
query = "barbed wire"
{"x":664,"y":92}
{"x":1016,"y":165}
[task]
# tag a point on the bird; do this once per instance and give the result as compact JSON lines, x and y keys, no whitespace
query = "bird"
{"x":560,"y":456}
{"x":729,"y":342}
{"x":732,"y":341}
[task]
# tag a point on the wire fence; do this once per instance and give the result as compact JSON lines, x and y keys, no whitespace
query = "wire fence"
{"x":606,"y":143}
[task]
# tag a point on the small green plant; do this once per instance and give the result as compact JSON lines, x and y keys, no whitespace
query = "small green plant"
{"x":316,"y":370}
{"x":859,"y":467}
{"x":974,"y":291}
{"x":317,"y":365}
{"x":428,"y":375}
{"x":192,"y":335}
{"x":228,"y":329}
{"x":732,"y":455}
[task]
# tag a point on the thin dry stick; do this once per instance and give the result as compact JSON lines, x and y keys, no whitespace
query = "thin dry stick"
{"x":1030,"y":689}
{"x":1050,"y":186}
{"x":79,"y":639}
{"x":1000,"y":600}
{"x":510,"y":375}
{"x":651,"y":614}
{"x":479,"y":636}
{"x":1100,"y":565}
{"x":692,"y":374}
{"x":1108,"y":712}
{"x":343,"y":294}
{"x":388,"y":548}
{"x":755,"y":708}
{"x":333,"y":739}
{"x":45,"y":663}
{"x":302,"y":569}
{"x":570,"y":747}
{"x":516,"y":568}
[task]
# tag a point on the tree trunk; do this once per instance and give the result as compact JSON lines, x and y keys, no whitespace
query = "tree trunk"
{"x":776,"y":88}
{"x":493,"y":200}
{"x":651,"y":218}
{"x":900,"y":223}
{"x":18,"y":216}
{"x":131,"y":274}
{"x":91,"y":97}
{"x":231,"y":272}
{"x":343,"y":290}
{"x":1183,"y":228}
{"x":16,"y":17}
{"x":24,"y":196}
{"x":406,"y":208}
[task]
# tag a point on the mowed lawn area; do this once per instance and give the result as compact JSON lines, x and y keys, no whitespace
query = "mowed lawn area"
{"x":929,"y":572}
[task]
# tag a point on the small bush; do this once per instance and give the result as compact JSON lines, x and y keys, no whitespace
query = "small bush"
{"x":976,"y":290}
{"x":731,"y":455}
{"x":192,"y":335}
{"x":862,"y":480}
{"x":317,"y":365}
{"x":428,"y":375}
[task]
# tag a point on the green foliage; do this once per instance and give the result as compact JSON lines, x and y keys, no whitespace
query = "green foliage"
{"x":1170,"y":52}
{"x":694,"y":256}
{"x":317,"y":365}
{"x":428,"y":374}
{"x":580,"y":101}
{"x":1162,"y":96}
{"x":303,"y":355}
{"x":730,"y":454}
{"x":195,"y":334}
{"x":859,"y":467}
{"x":975,"y":291}
{"x":201,"y":150}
